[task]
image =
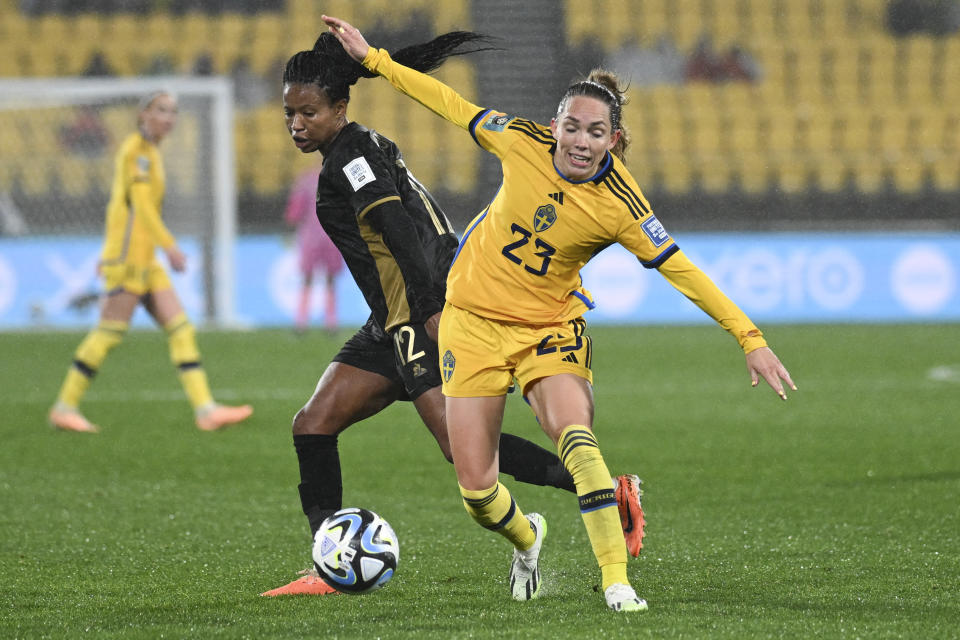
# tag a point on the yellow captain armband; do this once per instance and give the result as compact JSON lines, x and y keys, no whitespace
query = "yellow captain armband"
{"x":751,"y":340}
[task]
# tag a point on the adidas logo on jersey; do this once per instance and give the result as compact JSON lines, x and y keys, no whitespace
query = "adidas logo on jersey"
{"x":558,"y":196}
{"x":571,"y":358}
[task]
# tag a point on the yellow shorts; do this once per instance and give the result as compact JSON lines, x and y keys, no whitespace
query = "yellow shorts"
{"x":481,"y":357}
{"x":136,"y":279}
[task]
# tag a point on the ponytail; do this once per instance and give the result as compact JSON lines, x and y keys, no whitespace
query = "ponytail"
{"x":331,"y":69}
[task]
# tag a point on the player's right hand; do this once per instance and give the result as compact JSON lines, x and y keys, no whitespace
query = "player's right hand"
{"x":349,"y":36}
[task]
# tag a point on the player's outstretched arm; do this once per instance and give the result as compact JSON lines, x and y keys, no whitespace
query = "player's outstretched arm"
{"x":349,"y":36}
{"x":764,"y":363}
{"x":422,"y":87}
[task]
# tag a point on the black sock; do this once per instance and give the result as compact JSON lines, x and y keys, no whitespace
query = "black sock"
{"x":321,"y":487}
{"x":531,"y":463}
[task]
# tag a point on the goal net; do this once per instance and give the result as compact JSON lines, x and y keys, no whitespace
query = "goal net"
{"x":58,"y":138}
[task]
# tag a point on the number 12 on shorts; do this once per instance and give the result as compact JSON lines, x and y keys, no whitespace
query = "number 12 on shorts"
{"x":404,"y":341}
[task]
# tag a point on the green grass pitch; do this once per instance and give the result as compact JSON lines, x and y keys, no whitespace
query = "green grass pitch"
{"x":831,"y":515}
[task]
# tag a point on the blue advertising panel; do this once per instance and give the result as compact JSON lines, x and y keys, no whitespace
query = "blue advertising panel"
{"x":842,"y":277}
{"x":773,"y":277}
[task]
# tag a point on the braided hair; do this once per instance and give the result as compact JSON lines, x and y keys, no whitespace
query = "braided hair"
{"x":330,"y":67}
{"x":604,"y":86}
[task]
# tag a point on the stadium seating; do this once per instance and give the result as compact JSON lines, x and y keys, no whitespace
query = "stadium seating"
{"x":839,"y":100}
{"x":837,"y":93}
{"x":50,"y":44}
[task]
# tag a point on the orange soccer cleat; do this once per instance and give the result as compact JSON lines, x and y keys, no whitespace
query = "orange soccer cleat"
{"x":70,"y":419}
{"x":628,"y":492}
{"x":308,"y":585}
{"x":220,"y":416}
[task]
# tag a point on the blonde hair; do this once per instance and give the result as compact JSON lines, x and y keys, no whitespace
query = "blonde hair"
{"x":146,"y":102}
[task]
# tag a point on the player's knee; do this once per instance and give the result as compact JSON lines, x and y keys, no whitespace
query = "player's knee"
{"x":94,"y":348}
{"x":300,"y":423}
{"x":315,"y":419}
{"x":183,"y":344}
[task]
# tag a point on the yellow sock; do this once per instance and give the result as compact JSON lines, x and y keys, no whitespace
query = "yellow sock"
{"x":74,"y":387}
{"x":495,"y":509}
{"x":182,"y":339}
{"x":87,"y":360}
{"x":580,"y":454}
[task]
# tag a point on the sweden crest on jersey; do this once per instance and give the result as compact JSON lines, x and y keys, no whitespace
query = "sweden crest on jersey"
{"x":448,"y":364}
{"x":544,"y":217}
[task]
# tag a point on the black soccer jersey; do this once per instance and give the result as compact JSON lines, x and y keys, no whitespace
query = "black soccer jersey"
{"x":395,"y":239}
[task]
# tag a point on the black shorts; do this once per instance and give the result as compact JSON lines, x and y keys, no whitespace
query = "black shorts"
{"x":407,"y":357}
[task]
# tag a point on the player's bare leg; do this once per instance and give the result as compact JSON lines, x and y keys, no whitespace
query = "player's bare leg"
{"x":302,"y":321}
{"x":474,"y":430}
{"x":564,"y":405}
{"x":525,"y":461}
{"x":344,"y":396}
{"x":330,"y":320}
{"x":115,"y":312}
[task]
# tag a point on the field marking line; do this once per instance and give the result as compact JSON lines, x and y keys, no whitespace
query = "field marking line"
{"x":167,"y":395}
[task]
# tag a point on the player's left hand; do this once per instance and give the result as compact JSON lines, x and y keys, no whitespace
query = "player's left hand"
{"x":177,"y":259}
{"x":763,"y":362}
{"x":349,"y":36}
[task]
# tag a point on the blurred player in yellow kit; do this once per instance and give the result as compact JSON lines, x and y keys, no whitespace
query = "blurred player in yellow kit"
{"x":133,"y":276}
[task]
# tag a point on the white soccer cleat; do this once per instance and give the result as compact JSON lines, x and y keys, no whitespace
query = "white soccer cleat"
{"x":622,"y":597}
{"x":525,"y":569}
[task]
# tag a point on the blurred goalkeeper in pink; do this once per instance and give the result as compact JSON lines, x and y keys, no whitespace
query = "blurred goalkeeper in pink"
{"x":316,"y":249}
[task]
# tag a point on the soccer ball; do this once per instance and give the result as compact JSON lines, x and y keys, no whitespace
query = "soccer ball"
{"x":355,"y":551}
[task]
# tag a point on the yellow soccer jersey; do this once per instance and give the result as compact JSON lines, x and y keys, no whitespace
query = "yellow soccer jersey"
{"x":134,"y":226}
{"x":520,"y":259}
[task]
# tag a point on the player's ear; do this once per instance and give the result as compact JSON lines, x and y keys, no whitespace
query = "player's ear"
{"x":614,"y":139}
{"x":553,"y":127}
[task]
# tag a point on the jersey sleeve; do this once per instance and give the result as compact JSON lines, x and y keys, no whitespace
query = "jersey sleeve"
{"x":423,"y":88}
{"x":367,"y":182}
{"x":143,"y":201}
{"x":642,"y":234}
{"x":400,"y":236}
{"x":363,"y":176}
{"x":490,"y":129}
{"x":689,"y":280}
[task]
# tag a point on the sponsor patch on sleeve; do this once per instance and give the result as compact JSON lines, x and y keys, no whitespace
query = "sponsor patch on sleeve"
{"x":655,"y":231}
{"x":358,"y":172}
{"x":496,"y":122}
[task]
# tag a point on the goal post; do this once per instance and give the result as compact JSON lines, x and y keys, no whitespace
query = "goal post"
{"x":58,"y":137}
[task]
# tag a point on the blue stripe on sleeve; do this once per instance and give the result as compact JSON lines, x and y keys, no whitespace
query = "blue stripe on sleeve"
{"x":477,"y":119}
{"x":660,"y":259}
